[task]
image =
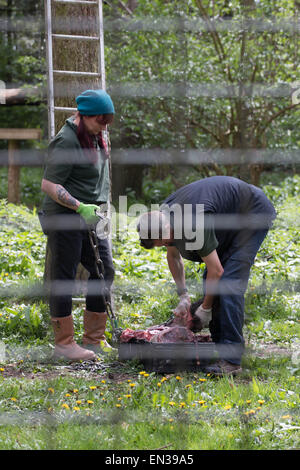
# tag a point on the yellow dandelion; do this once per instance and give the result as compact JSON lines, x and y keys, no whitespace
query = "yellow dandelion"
{"x":51,"y":390}
{"x":119,"y":398}
{"x":188,"y":386}
{"x":76,"y":408}
{"x":178,"y":377}
{"x":286,"y":417}
{"x":182,"y":404}
{"x":127,"y":396}
{"x":13,"y":399}
{"x":248,"y":402}
{"x":93,"y":387}
{"x":67,"y":395}
{"x":90,"y":402}
{"x":146,"y":375}
{"x":202,"y":380}
{"x":201,"y":402}
{"x":75,"y":390}
{"x":227,"y":407}
{"x":251,"y":412}
{"x":66,"y":406}
{"x":261,"y":402}
{"x":1,"y":370}
{"x":132,"y":385}
{"x":172,"y":403}
{"x":118,"y":405}
{"x":164,"y":379}
{"x":142,"y":372}
{"x":159,"y":384}
{"x":103,"y":381}
{"x":78,"y":402}
{"x":171,"y":420}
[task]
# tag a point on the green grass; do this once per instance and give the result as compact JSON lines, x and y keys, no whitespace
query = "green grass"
{"x":186,"y":411}
{"x":53,"y":406}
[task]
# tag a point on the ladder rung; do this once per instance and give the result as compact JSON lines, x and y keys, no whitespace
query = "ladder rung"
{"x":80,"y":2}
{"x":71,"y":36}
{"x":62,"y":108}
{"x":70,"y":72}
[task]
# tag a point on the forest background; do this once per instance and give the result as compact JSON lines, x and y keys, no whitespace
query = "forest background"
{"x":201,"y":87}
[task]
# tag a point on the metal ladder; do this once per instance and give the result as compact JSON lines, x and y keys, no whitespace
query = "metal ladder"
{"x":52,"y":72}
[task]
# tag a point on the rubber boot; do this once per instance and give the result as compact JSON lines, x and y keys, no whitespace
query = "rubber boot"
{"x":65,"y":346}
{"x":94,"y":328}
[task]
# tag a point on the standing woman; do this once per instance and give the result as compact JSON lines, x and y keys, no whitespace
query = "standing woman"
{"x":76,"y":182}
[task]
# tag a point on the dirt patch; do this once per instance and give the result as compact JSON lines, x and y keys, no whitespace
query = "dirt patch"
{"x":30,"y":371}
{"x":268,"y":350}
{"x":115,"y":371}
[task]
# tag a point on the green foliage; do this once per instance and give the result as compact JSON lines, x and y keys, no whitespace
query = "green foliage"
{"x":21,"y":265}
{"x":23,"y":63}
{"x":171,"y":56}
{"x":155,"y":191}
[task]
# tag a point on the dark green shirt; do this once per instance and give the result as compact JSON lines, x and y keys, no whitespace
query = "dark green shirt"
{"x":210,"y":242}
{"x":68,"y":165}
{"x":218,"y":195}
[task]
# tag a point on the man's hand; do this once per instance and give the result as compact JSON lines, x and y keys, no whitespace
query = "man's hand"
{"x":204,"y":314}
{"x":88,"y":213}
{"x":182,"y":311}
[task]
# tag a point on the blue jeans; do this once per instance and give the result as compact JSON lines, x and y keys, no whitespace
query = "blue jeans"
{"x":227,"y":322}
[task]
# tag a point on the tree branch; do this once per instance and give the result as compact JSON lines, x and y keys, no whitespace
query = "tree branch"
{"x":125,"y":7}
{"x":215,"y":37}
{"x":205,"y":129}
{"x":275,"y":116}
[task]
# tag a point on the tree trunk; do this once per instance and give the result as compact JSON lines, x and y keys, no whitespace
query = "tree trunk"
{"x":125,"y":178}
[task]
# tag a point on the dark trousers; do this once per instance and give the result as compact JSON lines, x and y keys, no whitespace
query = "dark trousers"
{"x":227,"y":322}
{"x":68,"y":249}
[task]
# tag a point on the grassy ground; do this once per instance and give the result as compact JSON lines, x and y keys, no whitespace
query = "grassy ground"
{"x":117,"y":405}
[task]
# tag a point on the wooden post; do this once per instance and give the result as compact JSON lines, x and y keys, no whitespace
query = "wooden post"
{"x":13,"y":136}
{"x":13,"y":192}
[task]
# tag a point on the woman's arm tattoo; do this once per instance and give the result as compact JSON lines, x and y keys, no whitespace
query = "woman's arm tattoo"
{"x":65,"y":198}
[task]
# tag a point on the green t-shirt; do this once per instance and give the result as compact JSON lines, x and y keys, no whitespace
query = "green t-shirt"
{"x":67,"y":164}
{"x":187,"y":247}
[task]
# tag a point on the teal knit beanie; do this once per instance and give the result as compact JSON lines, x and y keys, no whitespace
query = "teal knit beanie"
{"x":93,"y":102}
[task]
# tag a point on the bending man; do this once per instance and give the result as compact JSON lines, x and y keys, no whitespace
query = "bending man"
{"x":222,"y":222}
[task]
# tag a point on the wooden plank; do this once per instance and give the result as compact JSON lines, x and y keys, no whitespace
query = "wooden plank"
{"x":20,"y":134}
